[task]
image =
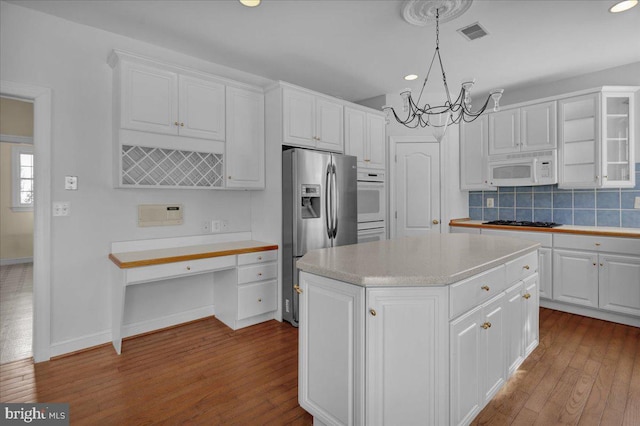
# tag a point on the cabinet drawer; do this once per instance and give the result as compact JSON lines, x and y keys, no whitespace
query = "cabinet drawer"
{"x":257,"y":257}
{"x":473,"y":291}
{"x":522,"y":267}
{"x":256,"y":299}
{"x":174,"y":269}
{"x":596,"y":243}
{"x":260,"y":272}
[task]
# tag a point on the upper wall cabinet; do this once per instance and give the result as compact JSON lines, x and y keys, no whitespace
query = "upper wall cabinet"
{"x":597,"y":139}
{"x":530,"y":128}
{"x":474,"y":155}
{"x":311,"y":120}
{"x":170,"y":127}
{"x":364,"y":137}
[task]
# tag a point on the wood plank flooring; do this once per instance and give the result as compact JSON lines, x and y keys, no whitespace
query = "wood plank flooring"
{"x":585,"y":372}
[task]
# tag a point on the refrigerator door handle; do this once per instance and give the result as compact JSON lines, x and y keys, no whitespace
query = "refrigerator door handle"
{"x":328,"y":205}
{"x":335,"y":203}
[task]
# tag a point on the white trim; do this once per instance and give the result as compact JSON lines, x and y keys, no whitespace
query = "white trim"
{"x":42,"y":113}
{"x":16,"y":139}
{"x":16,"y":261}
{"x":589,"y":312}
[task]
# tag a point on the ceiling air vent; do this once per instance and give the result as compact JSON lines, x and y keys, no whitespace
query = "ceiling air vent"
{"x":473,"y":31}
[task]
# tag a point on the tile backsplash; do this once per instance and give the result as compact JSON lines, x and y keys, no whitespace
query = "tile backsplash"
{"x":547,"y":203}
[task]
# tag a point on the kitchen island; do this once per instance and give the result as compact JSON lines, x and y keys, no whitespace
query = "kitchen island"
{"x":418,"y":330}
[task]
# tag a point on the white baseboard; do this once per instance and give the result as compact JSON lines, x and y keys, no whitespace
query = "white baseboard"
{"x":15,"y":261}
{"x":589,"y":312}
{"x":97,"y":339}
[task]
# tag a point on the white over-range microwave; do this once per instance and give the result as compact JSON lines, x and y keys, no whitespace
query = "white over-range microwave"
{"x":524,"y":169}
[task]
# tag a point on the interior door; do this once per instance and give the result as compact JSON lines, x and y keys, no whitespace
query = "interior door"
{"x":417,"y":189}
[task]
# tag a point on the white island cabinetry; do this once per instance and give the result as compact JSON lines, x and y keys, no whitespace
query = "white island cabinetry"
{"x":402,"y":348}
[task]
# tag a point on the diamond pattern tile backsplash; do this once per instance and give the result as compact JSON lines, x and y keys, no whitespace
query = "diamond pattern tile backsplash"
{"x":587,"y":207}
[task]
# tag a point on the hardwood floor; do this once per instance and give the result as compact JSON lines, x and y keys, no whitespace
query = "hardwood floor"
{"x":585,"y":372}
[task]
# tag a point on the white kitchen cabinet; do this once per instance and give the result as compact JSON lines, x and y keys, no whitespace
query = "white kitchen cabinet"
{"x":619,"y":283}
{"x":575,"y":277}
{"x":364,"y":137}
{"x":596,"y":139}
{"x":245,"y":139}
{"x":545,"y":272}
{"x":312,"y":121}
{"x":474,"y":155}
{"x":157,"y":100}
{"x":531,"y":302}
{"x":406,"y":356}
{"x":514,"y":320}
{"x":332,"y":357}
{"x":252,"y":297}
{"x":504,"y":131}
{"x":538,"y":127}
{"x":477,"y":359}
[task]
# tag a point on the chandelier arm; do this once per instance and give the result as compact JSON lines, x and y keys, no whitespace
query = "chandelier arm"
{"x":433,"y":58}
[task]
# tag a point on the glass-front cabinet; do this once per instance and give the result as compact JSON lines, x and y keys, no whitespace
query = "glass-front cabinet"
{"x":596,"y":132}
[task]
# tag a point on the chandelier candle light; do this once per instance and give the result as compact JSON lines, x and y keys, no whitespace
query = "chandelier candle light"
{"x":439,"y":117}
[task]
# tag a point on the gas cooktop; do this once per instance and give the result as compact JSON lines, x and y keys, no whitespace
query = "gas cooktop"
{"x":523,"y":223}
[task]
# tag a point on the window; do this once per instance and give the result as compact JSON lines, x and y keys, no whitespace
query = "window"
{"x":22,"y":169}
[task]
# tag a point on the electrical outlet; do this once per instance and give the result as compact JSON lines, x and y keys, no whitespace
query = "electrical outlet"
{"x":61,"y":208}
{"x":215,"y":226}
{"x":224,"y":225}
{"x":636,"y":205}
{"x":490,"y":202}
{"x":71,"y":183}
{"x":205,"y":228}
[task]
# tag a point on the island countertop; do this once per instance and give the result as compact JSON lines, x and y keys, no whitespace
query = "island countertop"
{"x":438,"y":259}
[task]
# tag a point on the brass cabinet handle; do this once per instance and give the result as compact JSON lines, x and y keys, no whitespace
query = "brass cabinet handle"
{"x":435,"y":221}
{"x":259,"y":300}
{"x":526,"y":267}
{"x":181,"y":124}
{"x":601,"y":264}
{"x":526,"y":296}
{"x":594,"y":263}
{"x":259,"y":274}
{"x":297,"y":289}
{"x":597,"y":244}
{"x":486,"y":325}
{"x":188,"y":268}
{"x":259,"y":257}
{"x":176,"y":123}
{"x":485,"y":287}
{"x":373,"y":312}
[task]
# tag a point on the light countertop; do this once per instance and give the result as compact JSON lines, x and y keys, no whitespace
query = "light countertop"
{"x":178,"y":254}
{"x":605,"y":231}
{"x":438,"y":259}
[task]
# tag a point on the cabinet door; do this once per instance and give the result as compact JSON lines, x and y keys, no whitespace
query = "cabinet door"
{"x":331,"y":345}
{"x":245,"y":139}
{"x":329,"y":125}
{"x":201,"y":108}
{"x":620,"y":283}
{"x":465,"y":370}
{"x":492,"y":360}
{"x":504,"y":132}
{"x":474,"y":154}
{"x":618,"y":158}
{"x":355,"y":135}
{"x":298,"y":118}
{"x":545,"y":272}
{"x":579,"y":139}
{"x":575,"y":277}
{"x":376,"y":127}
{"x":406,"y":356}
{"x":514,"y":319}
{"x":149,"y":99}
{"x":531,"y":314}
{"x":538,"y":127}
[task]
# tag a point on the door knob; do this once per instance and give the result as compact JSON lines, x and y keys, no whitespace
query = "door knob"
{"x":297,"y":289}
{"x":435,"y":221}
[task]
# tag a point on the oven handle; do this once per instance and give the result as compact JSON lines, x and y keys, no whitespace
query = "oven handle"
{"x":535,"y":170}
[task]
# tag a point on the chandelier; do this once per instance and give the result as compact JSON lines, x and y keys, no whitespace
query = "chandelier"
{"x":440,"y":116}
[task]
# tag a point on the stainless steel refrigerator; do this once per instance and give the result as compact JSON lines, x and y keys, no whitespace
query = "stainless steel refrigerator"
{"x":319,"y":210}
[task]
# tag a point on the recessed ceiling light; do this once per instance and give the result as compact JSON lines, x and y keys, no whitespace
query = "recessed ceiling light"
{"x":410,"y":77}
{"x":622,"y":6}
{"x":250,"y":3}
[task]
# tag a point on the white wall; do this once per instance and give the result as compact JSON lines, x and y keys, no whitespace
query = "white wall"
{"x":70,"y":59}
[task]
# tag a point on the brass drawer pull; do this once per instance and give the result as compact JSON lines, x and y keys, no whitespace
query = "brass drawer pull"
{"x":526,"y":296}
{"x":373,"y":312}
{"x":259,"y":274}
{"x":259,"y":257}
{"x":485,"y":287}
{"x":297,"y":289}
{"x":526,"y":267}
{"x":188,"y":268}
{"x":486,"y":325}
{"x":259,"y":300}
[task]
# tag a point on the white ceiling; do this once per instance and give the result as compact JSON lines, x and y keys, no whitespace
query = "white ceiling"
{"x":357,"y":49}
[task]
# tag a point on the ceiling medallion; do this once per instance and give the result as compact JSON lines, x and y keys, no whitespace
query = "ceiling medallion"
{"x":421,"y":12}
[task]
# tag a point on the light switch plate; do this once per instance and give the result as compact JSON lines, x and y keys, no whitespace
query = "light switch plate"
{"x":61,"y":208}
{"x":636,"y":205}
{"x":71,"y":183}
{"x":490,"y":202}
